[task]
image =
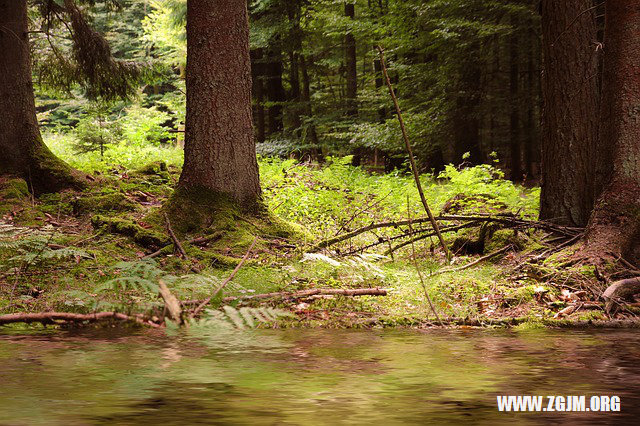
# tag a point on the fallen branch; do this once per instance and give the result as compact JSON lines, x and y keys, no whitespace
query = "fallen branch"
{"x":176,"y":242}
{"x":54,"y":317}
{"x":199,"y":241}
{"x":225,"y":282}
{"x":477,"y":261}
{"x":508,"y":221}
{"x":421,"y":237}
{"x":313,"y":292}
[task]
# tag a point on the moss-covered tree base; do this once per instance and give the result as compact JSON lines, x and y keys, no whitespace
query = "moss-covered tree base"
{"x":48,"y":173}
{"x":199,"y":212}
{"x":43,"y":172}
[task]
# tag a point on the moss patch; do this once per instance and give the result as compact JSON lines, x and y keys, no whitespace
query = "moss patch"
{"x":116,"y":225}
{"x":115,"y":202}
{"x":13,"y":189}
{"x":154,"y":168}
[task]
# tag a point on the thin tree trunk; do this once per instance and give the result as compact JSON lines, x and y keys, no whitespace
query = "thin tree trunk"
{"x":530,"y":131}
{"x":220,"y":152}
{"x":514,"y":118}
{"x":570,"y":115}
{"x":306,"y":99}
{"x":351,"y":62}
{"x":22,"y":151}
{"x":257,"y":74}
{"x":295,"y":49}
{"x":615,"y":224}
{"x":275,"y":90}
{"x":466,"y":123}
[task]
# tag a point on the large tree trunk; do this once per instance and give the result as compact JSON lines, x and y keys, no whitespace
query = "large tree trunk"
{"x":614,"y":228}
{"x":219,"y":150}
{"x":570,"y":113}
{"x":22,"y":151}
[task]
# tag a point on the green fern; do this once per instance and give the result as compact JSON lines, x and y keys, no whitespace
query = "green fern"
{"x":137,"y":276}
{"x":243,"y":318}
{"x":27,"y":247}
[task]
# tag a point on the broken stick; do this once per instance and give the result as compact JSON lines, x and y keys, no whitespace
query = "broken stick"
{"x":225,"y":282}
{"x":176,"y":242}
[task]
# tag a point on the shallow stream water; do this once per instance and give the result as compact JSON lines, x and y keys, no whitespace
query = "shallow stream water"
{"x":309,"y":377}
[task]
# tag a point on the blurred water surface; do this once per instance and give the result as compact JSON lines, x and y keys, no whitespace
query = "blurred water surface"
{"x":310,"y":377}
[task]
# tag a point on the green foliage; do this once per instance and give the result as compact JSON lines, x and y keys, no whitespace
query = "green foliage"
{"x":95,"y":131}
{"x":118,"y":156}
{"x":142,"y":127}
{"x":164,"y":27}
{"x":497,"y":192}
{"x":340,"y":197}
{"x":136,"y":276}
{"x":23,"y":248}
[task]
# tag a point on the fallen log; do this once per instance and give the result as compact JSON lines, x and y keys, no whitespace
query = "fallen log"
{"x":312,"y":292}
{"x":56,"y":317}
{"x":620,"y":290}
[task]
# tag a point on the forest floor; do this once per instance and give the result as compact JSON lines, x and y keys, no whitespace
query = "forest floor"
{"x":88,"y":251}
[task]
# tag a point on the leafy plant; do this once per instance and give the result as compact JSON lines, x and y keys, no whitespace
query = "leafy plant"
{"x":23,"y":248}
{"x":145,"y":126}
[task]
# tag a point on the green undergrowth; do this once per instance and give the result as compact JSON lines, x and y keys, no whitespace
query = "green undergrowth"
{"x":84,"y":251}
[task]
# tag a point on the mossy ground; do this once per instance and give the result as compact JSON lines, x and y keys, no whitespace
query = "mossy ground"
{"x":121,"y":218}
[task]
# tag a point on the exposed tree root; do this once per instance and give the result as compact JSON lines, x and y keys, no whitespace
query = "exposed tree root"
{"x":620,"y":290}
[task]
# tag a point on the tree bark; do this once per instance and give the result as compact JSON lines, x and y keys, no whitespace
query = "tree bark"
{"x":614,"y":226}
{"x":570,"y":113}
{"x":22,"y":151}
{"x":351,"y":62}
{"x":220,"y":152}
